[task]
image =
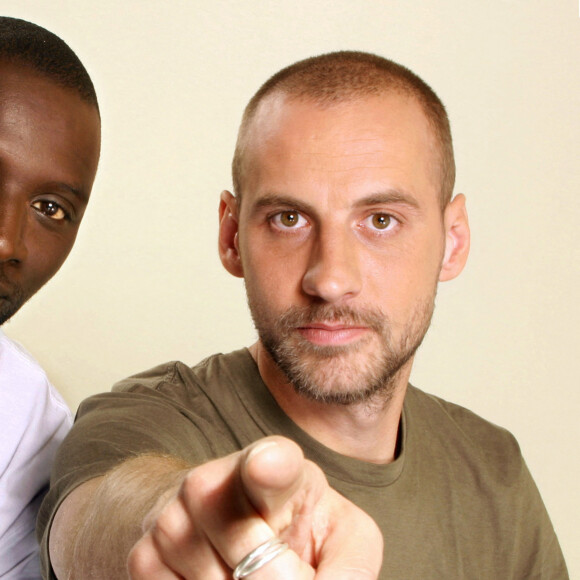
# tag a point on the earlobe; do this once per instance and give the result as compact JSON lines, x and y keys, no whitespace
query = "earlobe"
{"x":457,"y":238}
{"x":228,"y":235}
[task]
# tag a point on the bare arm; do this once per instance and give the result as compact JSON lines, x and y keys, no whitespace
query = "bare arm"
{"x":100,"y":521}
{"x":151,"y":519}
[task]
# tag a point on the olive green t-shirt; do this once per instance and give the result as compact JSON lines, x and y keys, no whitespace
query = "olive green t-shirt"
{"x":458,"y":501}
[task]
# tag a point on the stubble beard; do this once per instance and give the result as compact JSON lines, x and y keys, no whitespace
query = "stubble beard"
{"x":347,"y":374}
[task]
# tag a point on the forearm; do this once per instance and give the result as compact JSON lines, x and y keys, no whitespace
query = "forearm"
{"x":98,"y":524}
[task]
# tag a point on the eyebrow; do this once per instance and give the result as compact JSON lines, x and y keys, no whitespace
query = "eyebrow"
{"x":387,"y":197}
{"x":272,"y":199}
{"x":78,"y":192}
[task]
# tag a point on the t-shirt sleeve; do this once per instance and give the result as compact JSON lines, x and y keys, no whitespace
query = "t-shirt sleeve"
{"x":540,"y":554}
{"x":143,"y":415}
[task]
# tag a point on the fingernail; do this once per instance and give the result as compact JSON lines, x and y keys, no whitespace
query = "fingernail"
{"x":259,"y":448}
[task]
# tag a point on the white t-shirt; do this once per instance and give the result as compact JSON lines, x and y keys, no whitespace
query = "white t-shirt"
{"x":33,"y":421}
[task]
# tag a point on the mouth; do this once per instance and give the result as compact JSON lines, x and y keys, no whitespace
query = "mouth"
{"x":325,"y":334}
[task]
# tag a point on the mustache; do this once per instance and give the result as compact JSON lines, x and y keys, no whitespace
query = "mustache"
{"x":372,"y":318}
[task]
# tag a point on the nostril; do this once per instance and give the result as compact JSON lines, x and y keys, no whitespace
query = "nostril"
{"x":333,"y":273}
{"x":333,"y":283}
{"x":12,"y":232}
{"x":11,"y":248}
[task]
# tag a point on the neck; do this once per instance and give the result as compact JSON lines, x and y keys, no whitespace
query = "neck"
{"x":367,"y":430}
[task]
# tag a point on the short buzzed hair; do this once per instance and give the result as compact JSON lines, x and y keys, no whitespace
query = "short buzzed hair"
{"x":25,"y":43}
{"x":348,"y":75}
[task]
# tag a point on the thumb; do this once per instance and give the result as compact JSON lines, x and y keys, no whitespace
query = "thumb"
{"x":284,"y":488}
{"x":272,"y":471}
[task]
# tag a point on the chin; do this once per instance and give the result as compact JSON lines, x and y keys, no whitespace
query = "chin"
{"x":343,"y":379}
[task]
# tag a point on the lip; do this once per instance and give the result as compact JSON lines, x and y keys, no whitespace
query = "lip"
{"x":332,"y":334}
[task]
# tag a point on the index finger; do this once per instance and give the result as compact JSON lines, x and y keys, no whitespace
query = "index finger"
{"x":338,"y":538}
{"x":218,"y":505}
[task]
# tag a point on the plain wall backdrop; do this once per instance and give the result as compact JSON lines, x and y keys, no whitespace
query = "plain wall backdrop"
{"x":144,"y":284}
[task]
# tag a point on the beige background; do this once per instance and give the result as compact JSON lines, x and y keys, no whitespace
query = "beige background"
{"x":144,"y":283}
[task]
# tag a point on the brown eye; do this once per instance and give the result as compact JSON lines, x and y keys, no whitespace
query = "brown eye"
{"x":381,"y":221}
{"x":50,"y":209}
{"x":289,"y":218}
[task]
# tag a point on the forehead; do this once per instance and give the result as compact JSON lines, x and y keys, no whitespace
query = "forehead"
{"x":378,"y":142}
{"x":40,"y":118}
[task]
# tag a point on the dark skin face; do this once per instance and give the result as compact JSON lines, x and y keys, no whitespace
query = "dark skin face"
{"x":49,"y":152}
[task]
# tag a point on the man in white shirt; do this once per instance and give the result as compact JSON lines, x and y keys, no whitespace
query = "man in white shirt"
{"x":49,"y":151}
{"x":34,"y":421}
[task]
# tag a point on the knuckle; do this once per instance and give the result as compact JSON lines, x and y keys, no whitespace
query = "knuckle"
{"x":164,"y":524}
{"x":197,"y":487}
{"x":140,"y":562}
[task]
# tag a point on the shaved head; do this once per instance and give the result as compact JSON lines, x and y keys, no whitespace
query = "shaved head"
{"x":348,"y":76}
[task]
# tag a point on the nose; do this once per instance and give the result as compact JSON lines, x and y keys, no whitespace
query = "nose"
{"x":12,"y":227}
{"x":333,"y":273}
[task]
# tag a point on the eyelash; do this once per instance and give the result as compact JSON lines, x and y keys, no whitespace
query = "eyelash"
{"x":276,"y":220}
{"x":392,"y":223}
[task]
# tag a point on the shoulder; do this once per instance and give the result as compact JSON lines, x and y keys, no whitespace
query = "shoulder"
{"x":172,"y":391}
{"x":25,"y":388}
{"x":168,"y":409}
{"x":461,"y":434}
{"x":478,"y":470}
{"x":16,"y":361}
{"x":176,"y":378}
{"x":436,"y":412}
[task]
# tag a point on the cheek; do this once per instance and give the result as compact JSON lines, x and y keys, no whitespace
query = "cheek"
{"x":403,"y":275}
{"x":268,"y":275}
{"x":271,"y":278}
{"x":46,"y":255}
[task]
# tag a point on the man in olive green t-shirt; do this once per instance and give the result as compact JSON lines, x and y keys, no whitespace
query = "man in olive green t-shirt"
{"x":308,"y":454}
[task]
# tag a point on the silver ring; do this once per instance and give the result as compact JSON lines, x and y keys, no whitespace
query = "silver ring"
{"x":259,"y":557}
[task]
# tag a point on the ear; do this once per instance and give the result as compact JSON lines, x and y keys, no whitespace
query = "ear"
{"x":457,"y":238}
{"x":228,"y":235}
